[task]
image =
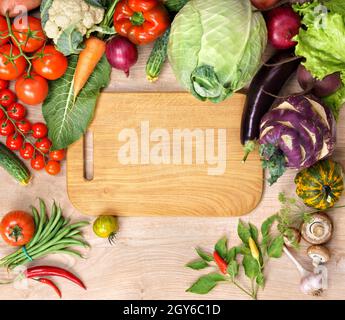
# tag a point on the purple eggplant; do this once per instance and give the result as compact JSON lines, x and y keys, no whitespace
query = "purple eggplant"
{"x":269,"y":79}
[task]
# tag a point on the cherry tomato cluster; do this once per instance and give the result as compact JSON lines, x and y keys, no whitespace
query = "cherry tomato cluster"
{"x":26,"y":58}
{"x":17,"y":129}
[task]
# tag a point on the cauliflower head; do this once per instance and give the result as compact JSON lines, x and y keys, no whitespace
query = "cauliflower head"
{"x":63,"y":14}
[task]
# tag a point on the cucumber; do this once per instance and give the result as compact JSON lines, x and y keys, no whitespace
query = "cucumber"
{"x":175,"y":5}
{"x":157,"y":57}
{"x":14,"y":166}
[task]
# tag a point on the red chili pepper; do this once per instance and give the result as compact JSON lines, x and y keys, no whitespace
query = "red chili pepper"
{"x":222,"y":265}
{"x":141,"y":21}
{"x":51,"y":284}
{"x":43,"y":271}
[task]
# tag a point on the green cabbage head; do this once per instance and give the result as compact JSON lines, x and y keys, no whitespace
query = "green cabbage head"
{"x":215,"y":47}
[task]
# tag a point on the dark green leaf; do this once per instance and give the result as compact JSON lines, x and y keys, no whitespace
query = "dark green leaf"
{"x":197,"y":265}
{"x":204,"y":255}
{"x":254,"y":232}
{"x":233,"y":268}
{"x":243,"y":232}
{"x":275,"y":249}
{"x":70,"y":41}
{"x":260,"y":280}
{"x":96,"y":3}
{"x":45,"y":5}
{"x":231,"y":254}
{"x":251,"y":266}
{"x":221,"y":247}
{"x":206,"y":283}
{"x":244,"y":250}
{"x":267,"y":224}
{"x":68,"y":119}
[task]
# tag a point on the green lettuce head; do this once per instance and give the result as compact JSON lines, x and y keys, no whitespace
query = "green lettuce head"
{"x":215,"y":47}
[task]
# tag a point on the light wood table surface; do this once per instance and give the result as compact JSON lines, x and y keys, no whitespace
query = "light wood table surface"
{"x":148,"y":259}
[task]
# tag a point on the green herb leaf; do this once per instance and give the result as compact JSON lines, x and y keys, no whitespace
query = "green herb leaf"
{"x":197,"y":265}
{"x":233,"y":268}
{"x":45,"y":5}
{"x":267,"y":224}
{"x":204,"y":255}
{"x":243,"y":232}
{"x":244,"y":250}
{"x":68,"y":119}
{"x":260,"y":280}
{"x":231,"y":254}
{"x":251,"y":267}
{"x":206,"y":283}
{"x":70,"y":41}
{"x":275,"y":249}
{"x":221,"y":247}
{"x":254,"y":232}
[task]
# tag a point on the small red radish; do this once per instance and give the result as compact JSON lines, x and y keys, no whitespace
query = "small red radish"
{"x":283,"y":24}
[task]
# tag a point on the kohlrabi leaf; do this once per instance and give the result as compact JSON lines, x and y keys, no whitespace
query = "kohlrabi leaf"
{"x":70,"y":41}
{"x":68,"y":118}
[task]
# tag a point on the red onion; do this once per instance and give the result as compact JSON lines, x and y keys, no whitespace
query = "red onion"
{"x":121,"y":53}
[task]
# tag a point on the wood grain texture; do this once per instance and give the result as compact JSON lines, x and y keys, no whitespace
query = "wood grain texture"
{"x":148,"y":259}
{"x":165,"y":189}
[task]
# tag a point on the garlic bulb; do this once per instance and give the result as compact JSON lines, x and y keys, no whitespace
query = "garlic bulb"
{"x":312,"y":284}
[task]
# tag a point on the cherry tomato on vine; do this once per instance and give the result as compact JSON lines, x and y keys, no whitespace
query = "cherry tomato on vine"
{"x":17,"y":228}
{"x":4,"y":84}
{"x":31,"y":89}
{"x":24,"y":126}
{"x":29,"y":33}
{"x":43,"y":144}
{"x":57,"y":155}
{"x":50,"y":63}
{"x":3,"y":30}
{"x":2,"y":114}
{"x":10,"y":68}
{"x":53,"y":167}
{"x":39,"y":130}
{"x":14,"y":141}
{"x":7,"y":97}
{"x":6,"y":127}
{"x":16,"y":111}
{"x":27,"y":151}
{"x":38,"y":161}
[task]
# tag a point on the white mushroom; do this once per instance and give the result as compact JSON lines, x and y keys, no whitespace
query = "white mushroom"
{"x":318,"y":230}
{"x":318,"y":254}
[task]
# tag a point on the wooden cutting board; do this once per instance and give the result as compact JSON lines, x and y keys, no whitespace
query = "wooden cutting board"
{"x":163,"y":154}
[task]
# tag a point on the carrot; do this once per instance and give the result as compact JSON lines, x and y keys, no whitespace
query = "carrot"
{"x":87,"y":61}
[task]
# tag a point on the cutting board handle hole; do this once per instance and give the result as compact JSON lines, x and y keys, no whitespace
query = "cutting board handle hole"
{"x":88,"y":156}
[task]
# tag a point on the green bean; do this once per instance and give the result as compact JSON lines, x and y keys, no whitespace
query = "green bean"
{"x":50,"y":220}
{"x":40,"y":226}
{"x":56,"y":214}
{"x":34,"y":239}
{"x":36,"y":217}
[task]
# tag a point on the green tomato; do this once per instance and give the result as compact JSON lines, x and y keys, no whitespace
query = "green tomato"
{"x":106,"y":227}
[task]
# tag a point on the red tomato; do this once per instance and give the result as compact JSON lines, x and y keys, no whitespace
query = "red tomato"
{"x":24,"y":126}
{"x":29,"y":33}
{"x":16,"y":111}
{"x":6,"y":127}
{"x":14,"y":141}
{"x":3,"y":30}
{"x":2,"y":114}
{"x":50,"y":63}
{"x":27,"y":151}
{"x":31,"y":89}
{"x":53,"y":167}
{"x":17,"y":228}
{"x":11,"y":69}
{"x":43,"y":145}
{"x":3,"y":84}
{"x":39,"y":130}
{"x":57,"y":155}
{"x":38,"y":162}
{"x":7,"y":97}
